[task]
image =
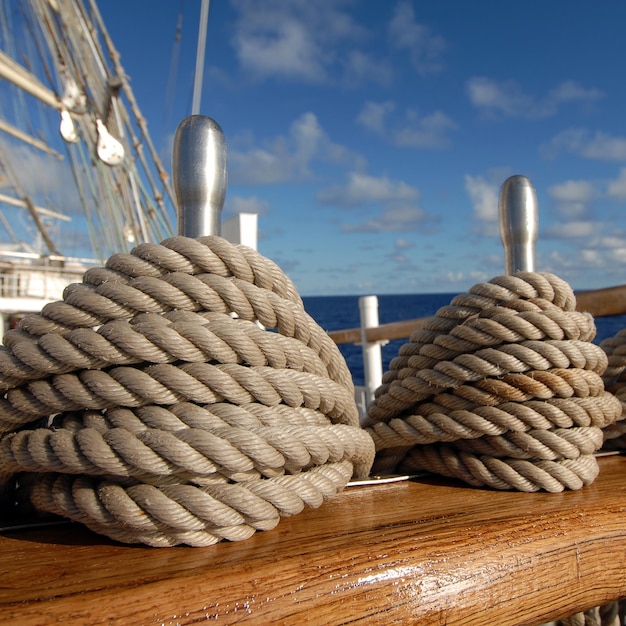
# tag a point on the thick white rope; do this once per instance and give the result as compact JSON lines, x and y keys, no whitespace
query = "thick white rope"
{"x":170,"y":415}
{"x":501,"y":388}
{"x":177,"y":419}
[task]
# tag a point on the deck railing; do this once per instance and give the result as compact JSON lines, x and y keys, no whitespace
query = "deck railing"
{"x":599,"y":302}
{"x":371,"y":335}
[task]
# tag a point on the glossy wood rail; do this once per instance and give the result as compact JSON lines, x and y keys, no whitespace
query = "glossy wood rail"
{"x":428,"y":551}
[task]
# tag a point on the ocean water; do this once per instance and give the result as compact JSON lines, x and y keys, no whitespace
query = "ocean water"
{"x":341,"y":312}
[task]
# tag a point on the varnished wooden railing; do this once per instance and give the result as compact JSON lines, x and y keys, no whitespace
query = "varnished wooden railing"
{"x":598,"y":302}
{"x":426,"y":551}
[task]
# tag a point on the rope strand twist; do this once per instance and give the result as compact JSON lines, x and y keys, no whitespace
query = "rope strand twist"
{"x":615,"y":382}
{"x":153,"y":404}
{"x":502,"y":388}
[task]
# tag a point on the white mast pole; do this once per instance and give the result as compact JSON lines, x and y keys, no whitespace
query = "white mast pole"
{"x":197,"y":86}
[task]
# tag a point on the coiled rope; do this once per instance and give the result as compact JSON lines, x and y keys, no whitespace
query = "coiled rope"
{"x":150,"y":406}
{"x":153,"y":404}
{"x":615,"y":381}
{"x":502,"y":388}
{"x":612,"y":614}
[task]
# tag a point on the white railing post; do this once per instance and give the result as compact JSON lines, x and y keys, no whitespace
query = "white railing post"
{"x":243,"y":229}
{"x":372,"y":355}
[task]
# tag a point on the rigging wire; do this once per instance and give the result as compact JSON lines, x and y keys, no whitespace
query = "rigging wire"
{"x":28,"y":201}
{"x":68,"y":38}
{"x":20,"y":112}
{"x":9,"y":229}
{"x":139,"y":119}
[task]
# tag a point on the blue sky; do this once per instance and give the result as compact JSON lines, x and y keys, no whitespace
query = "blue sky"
{"x":372,"y":136}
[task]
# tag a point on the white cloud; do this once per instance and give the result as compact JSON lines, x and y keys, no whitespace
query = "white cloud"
{"x":570,"y":230}
{"x":507,"y":98}
{"x":557,"y":260}
{"x":617,"y":256}
{"x":289,"y":157}
{"x":454,"y":277}
{"x":570,"y":266}
{"x":258,"y":166}
{"x":362,"y":189}
{"x":425,"y":48}
{"x":591,"y":258}
{"x":403,"y":244}
{"x":413,"y":131}
{"x":374,"y":116}
{"x":305,"y":42}
{"x":46,"y":179}
{"x":282,"y":47}
{"x":572,"y":197}
{"x":398,"y":202}
{"x":395,"y":217}
{"x":479,"y":277}
{"x":487,"y":94}
{"x":581,"y":142}
{"x":612,"y":242}
{"x":484,"y":197}
{"x":617,"y":188}
{"x":399,"y":258}
{"x":572,"y":191}
{"x":50,"y":184}
{"x":361,"y":67}
{"x":571,"y":91}
{"x":594,"y":249}
{"x":398,"y":255}
{"x":424,"y":132}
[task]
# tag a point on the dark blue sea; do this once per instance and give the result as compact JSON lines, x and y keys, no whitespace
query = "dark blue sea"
{"x":341,"y":312}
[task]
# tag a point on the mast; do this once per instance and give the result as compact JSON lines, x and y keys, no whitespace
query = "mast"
{"x":197,"y":85}
{"x":33,"y":141}
{"x":22,"y":78}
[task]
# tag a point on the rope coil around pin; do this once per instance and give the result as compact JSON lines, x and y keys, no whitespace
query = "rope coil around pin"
{"x":615,"y":382}
{"x":150,"y":406}
{"x":502,"y":388}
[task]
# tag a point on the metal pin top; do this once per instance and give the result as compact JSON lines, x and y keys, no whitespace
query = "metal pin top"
{"x":519,"y":223}
{"x":199,"y":175}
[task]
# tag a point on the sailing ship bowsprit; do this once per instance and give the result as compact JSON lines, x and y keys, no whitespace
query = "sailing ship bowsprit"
{"x":80,"y":177}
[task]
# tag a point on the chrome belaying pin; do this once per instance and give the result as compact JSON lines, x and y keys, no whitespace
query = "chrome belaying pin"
{"x":199,"y":175}
{"x":519,"y":223}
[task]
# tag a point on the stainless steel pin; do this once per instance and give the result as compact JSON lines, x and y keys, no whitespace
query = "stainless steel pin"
{"x":519,"y":223}
{"x":199,"y":175}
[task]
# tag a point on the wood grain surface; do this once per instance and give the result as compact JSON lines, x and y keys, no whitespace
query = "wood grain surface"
{"x":428,"y":551}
